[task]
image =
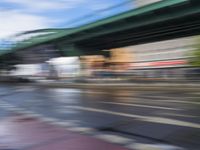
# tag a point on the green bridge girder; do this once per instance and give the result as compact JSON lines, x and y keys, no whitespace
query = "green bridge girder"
{"x":163,"y":20}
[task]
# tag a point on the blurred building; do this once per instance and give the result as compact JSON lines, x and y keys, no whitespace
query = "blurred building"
{"x":64,"y":67}
{"x":160,"y":59}
{"x":163,"y":59}
{"x":37,"y":54}
{"x":120,"y":55}
{"x":120,"y":59}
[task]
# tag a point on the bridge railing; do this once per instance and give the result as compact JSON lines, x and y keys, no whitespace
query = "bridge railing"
{"x":109,"y":11}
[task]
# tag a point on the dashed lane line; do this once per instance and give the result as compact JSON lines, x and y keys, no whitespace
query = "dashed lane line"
{"x":178,"y":115}
{"x":179,"y":101}
{"x":141,"y":146}
{"x":140,"y":105}
{"x":140,"y":117}
{"x":129,"y":99}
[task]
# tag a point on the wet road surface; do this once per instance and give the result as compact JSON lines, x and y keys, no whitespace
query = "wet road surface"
{"x":168,"y":117}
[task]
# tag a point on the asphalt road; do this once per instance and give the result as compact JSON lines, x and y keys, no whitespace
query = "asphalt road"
{"x":169,"y":117}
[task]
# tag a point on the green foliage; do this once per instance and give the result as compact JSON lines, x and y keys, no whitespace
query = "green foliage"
{"x":195,"y":61}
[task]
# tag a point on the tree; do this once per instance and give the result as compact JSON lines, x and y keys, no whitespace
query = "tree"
{"x":195,"y":60}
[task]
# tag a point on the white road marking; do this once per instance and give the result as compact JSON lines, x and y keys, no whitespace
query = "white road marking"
{"x":62,"y":123}
{"x":132,"y":99}
{"x":178,"y":115}
{"x":140,"y":146}
{"x":179,"y":101}
{"x":170,"y":97}
{"x":81,"y":129}
{"x":9,"y":107}
{"x":28,"y":113}
{"x":61,"y":90}
{"x":34,"y":115}
{"x":143,"y":118}
{"x":107,"y":137}
{"x":140,"y":117}
{"x":15,"y":109}
{"x":140,"y":105}
{"x":93,"y":92}
{"x":50,"y":120}
{"x":114,"y":138}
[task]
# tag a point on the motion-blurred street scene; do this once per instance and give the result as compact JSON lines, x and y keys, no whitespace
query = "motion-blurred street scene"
{"x":124,"y":75}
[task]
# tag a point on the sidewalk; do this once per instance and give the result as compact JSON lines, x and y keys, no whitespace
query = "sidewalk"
{"x":18,"y":132}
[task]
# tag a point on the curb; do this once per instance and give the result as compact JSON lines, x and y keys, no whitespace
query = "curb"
{"x":136,"y":87}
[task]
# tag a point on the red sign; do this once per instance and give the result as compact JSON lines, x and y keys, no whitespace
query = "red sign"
{"x":168,"y":63}
{"x":160,"y":63}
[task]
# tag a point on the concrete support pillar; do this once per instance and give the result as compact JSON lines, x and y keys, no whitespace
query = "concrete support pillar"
{"x":70,"y":50}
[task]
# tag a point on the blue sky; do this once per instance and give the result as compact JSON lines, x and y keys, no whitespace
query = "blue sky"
{"x":22,"y":15}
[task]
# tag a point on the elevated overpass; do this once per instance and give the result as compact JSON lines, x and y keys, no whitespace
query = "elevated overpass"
{"x":162,"y":20}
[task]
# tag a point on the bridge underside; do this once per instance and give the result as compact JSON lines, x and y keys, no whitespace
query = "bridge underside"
{"x":164,"y":20}
{"x":176,"y":28}
{"x":163,"y":24}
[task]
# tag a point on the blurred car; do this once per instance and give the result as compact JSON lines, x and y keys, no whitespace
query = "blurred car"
{"x":26,"y":73}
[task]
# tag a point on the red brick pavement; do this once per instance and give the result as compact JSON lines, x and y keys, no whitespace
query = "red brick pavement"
{"x":30,"y":134}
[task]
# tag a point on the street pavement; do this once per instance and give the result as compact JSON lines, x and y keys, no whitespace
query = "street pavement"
{"x":19,"y":132}
{"x":133,"y":119}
